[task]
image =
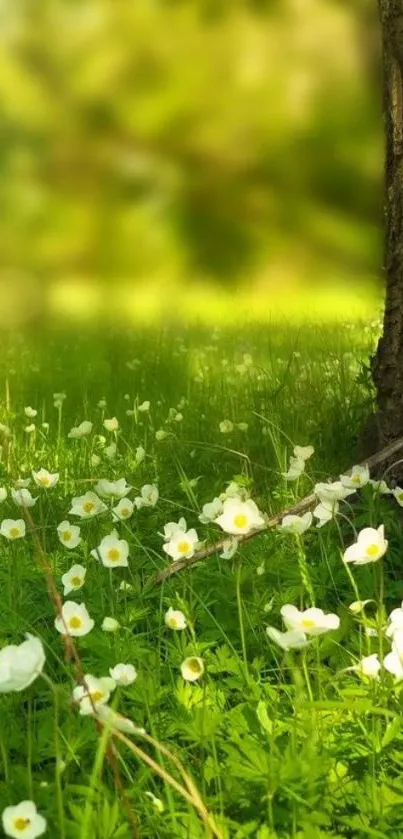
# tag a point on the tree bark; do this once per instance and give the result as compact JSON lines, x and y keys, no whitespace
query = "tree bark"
{"x":387,"y":363}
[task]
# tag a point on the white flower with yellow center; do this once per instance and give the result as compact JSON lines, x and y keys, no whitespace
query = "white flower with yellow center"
{"x":148,"y":497}
{"x":325,"y":511}
{"x":87,"y":506}
{"x":74,"y":578}
{"x":370,"y":546}
{"x":175,"y":619}
{"x":111,"y":424}
{"x":181,"y":544}
{"x":358,"y":477}
{"x":312,"y":621}
{"x":95,"y":692}
{"x":82,"y":430}
{"x":45,"y":479}
{"x":13,"y":529}
{"x":23,"y":821}
{"x":22,"y":497}
{"x":368,"y":666}
{"x":296,"y":524}
{"x":112,"y":551}
{"x":123,"y":674}
{"x":112,"y":489}
{"x":192,"y":668}
{"x":74,"y":620}
{"x":69,"y":534}
{"x":331,"y":492}
{"x":294,"y":639}
{"x":239,"y":517}
{"x":123,"y":510}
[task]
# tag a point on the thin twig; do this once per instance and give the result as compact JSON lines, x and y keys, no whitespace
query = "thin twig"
{"x":300,"y":507}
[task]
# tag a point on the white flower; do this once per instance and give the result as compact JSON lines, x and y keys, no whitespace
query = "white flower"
{"x":234,"y":490}
{"x":22,"y":497}
{"x":358,"y":606}
{"x":158,"y":804}
{"x":13,"y":528}
{"x":3,"y":494}
{"x":148,"y":497}
{"x":175,"y":619}
{"x":87,"y":506}
{"x":110,"y":718}
{"x":161,"y":434}
{"x":112,"y":551}
{"x":330,"y":492}
{"x":226,"y":427}
{"x":368,"y":666}
{"x":112,"y":489}
{"x":398,"y":494}
{"x":303,"y":452}
{"x":74,"y":620}
{"x":102,"y":404}
{"x":123,"y":510}
{"x":369,"y":547}
{"x":358,"y":477}
{"x":110,"y":624}
{"x":20,"y":665}
{"x":242,"y":426}
{"x":393,"y":661}
{"x":110,"y":451}
{"x":30,"y":412}
{"x":380,"y":487}
{"x":230,"y":548}
{"x":5,"y":430}
{"x":295,"y":469}
{"x":95,"y":460}
{"x":74,"y":578}
{"x":81,"y":430}
{"x":95,"y":692}
{"x":69,"y":534}
{"x":123,"y":674}
{"x":211,"y":510}
{"x":294,"y":639}
{"x":29,"y":429}
{"x":144,"y":407}
{"x":46,"y":479}
{"x":312,"y":621}
{"x":240,"y":516}
{"x":140,"y":454}
{"x":22,"y":483}
{"x":111,"y":424}
{"x":395,"y":621}
{"x":173,"y":527}
{"x":23,"y":820}
{"x":296,"y":524}
{"x":45,"y":426}
{"x":181,"y":544}
{"x":325,"y":511}
{"x":192,"y":668}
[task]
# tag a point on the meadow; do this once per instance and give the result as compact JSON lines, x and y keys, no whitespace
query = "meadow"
{"x":168,"y":710}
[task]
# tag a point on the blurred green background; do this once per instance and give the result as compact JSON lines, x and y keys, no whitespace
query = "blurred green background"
{"x":189,"y":157}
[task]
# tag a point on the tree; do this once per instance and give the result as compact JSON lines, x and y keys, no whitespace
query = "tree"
{"x":387,"y":363}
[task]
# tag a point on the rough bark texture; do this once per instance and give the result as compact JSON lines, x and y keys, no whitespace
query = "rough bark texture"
{"x":387,"y":364}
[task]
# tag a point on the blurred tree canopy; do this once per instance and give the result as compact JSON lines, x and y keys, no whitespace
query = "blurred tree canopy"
{"x":189,"y":138}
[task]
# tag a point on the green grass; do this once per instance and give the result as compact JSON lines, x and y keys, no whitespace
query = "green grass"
{"x":278,"y":745}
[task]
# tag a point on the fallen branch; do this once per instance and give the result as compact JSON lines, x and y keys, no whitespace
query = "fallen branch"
{"x":300,"y":507}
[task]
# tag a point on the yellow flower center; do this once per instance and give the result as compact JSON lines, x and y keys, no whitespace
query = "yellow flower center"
{"x":113,"y":554}
{"x":307,"y":623}
{"x":96,"y":695}
{"x":75,"y":622}
{"x":173,"y":623}
{"x":124,"y":512}
{"x":355,"y":479}
{"x":44,"y":481}
{"x":372,"y":550}
{"x":183,"y":547}
{"x":66,"y":536}
{"x":240,"y":520}
{"x":194,"y":665}
{"x":88,"y":506}
{"x":76,"y":581}
{"x":20,"y":823}
{"x":14,"y":532}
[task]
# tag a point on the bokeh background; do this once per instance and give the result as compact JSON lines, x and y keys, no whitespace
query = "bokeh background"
{"x":189,"y":158}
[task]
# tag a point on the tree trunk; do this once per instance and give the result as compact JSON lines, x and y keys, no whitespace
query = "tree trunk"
{"x":387,"y":363}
